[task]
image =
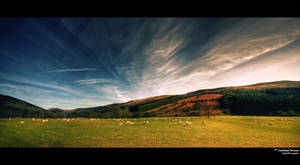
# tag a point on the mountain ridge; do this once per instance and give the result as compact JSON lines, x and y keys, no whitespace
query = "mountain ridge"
{"x":197,"y":103}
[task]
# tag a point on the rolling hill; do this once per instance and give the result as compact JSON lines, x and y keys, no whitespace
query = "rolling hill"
{"x":280,"y":98}
{"x":12,"y":107}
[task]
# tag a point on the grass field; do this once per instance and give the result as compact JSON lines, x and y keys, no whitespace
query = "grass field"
{"x":222,"y":131}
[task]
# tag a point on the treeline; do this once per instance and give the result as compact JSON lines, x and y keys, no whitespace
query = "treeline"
{"x":267,"y":102}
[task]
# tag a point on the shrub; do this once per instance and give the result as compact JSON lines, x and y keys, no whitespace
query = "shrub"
{"x":291,"y":113}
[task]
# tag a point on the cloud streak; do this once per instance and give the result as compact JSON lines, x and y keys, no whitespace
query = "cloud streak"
{"x":71,"y":70}
{"x":134,"y":58}
{"x":167,"y":70}
{"x":93,"y":81}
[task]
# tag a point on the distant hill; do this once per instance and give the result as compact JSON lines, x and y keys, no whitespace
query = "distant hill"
{"x":270,"y":98}
{"x":279,"y":98}
{"x":12,"y":107}
{"x":55,"y":110}
{"x":147,"y":99}
{"x":257,"y":86}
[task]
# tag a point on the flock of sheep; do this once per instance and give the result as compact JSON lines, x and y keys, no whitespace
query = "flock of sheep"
{"x":147,"y":122}
{"x":272,"y":123}
{"x":46,"y":120}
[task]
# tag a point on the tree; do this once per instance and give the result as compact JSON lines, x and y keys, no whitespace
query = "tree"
{"x":291,"y":113}
{"x":206,"y":108}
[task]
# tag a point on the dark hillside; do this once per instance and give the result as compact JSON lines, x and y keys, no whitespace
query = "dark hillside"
{"x":12,"y":107}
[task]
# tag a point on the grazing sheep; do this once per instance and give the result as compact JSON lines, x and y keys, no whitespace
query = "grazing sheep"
{"x":271,"y":123}
{"x":22,"y":122}
{"x":129,"y":122}
{"x":187,"y":123}
{"x":203,"y":123}
{"x":121,"y":123}
{"x":46,"y":120}
{"x":147,"y":122}
{"x":33,"y":119}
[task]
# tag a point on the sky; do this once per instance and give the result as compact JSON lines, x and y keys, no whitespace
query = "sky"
{"x":86,"y":62}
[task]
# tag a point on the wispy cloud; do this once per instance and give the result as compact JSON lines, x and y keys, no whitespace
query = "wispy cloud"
{"x":94,"y":81}
{"x":39,"y":84}
{"x":170,"y":68}
{"x":71,"y":70}
{"x":8,"y":85}
{"x":114,"y":92}
{"x":138,"y":58}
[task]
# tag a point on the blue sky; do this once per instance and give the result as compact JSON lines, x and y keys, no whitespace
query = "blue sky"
{"x":86,"y":62}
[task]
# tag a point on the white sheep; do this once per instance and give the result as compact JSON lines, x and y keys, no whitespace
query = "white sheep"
{"x":46,"y":120}
{"x":188,"y":123}
{"x":129,"y":122}
{"x":203,"y":123}
{"x":147,"y":122}
{"x":22,"y":122}
{"x":270,"y":123}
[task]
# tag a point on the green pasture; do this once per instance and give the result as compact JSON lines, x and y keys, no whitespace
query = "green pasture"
{"x":221,"y":131}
